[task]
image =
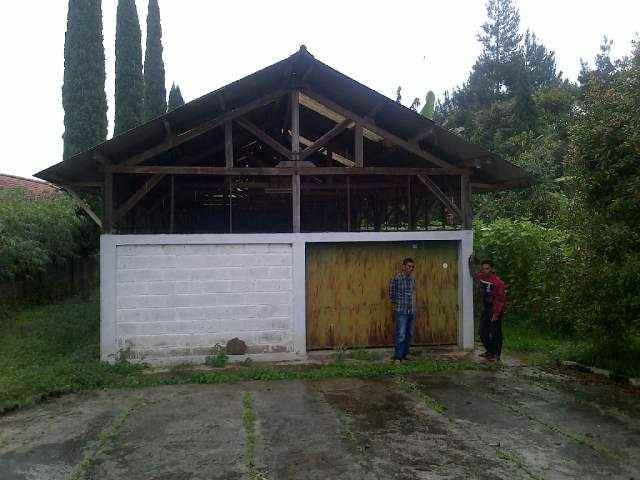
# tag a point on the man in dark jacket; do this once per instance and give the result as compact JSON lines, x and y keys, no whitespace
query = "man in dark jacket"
{"x":494,"y":300}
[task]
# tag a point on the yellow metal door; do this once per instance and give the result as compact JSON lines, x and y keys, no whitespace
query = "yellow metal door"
{"x":347,"y":299}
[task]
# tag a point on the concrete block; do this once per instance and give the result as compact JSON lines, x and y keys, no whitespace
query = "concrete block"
{"x":160,"y":288}
{"x":144,"y":301}
{"x":189,"y":313}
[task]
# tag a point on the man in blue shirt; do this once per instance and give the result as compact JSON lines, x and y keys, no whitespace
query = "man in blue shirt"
{"x":402,"y":289}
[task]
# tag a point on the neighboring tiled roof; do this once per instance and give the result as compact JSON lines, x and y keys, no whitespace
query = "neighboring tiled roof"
{"x":32,"y":187}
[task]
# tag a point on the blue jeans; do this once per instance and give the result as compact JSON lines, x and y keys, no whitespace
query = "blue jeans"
{"x":404,"y":332}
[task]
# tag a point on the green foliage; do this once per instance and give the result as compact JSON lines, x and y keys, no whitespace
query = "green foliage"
{"x":175,"y":98}
{"x":429,"y":105}
{"x":129,"y":82}
{"x":218,"y":357}
{"x":35,"y":232}
{"x":83,"y":95}
{"x":52,"y":350}
{"x":605,"y":161}
{"x":155,"y":91}
{"x":533,"y":260}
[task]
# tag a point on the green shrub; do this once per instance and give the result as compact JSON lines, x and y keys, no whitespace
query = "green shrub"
{"x":218,"y":357}
{"x":536,"y":262}
{"x":34,"y":232}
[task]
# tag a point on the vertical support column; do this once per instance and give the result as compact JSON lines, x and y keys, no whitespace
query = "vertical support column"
{"x":465,"y":202}
{"x":295,"y":200}
{"x":465,"y":292}
{"x":348,"y":203}
{"x":299,"y":297}
{"x":295,"y":149}
{"x":173,"y":204}
{"x":295,"y":125}
{"x":359,"y":147}
{"x":108,"y":327}
{"x":228,"y":144}
{"x":412,"y":206}
{"x":108,"y":203}
{"x":230,"y":205}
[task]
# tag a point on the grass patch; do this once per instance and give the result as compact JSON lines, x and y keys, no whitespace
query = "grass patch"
{"x":106,"y":441}
{"x":52,"y":350}
{"x":539,"y":344}
{"x":251,"y":438}
{"x":413,"y":388}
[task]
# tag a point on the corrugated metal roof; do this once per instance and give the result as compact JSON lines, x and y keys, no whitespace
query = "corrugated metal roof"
{"x":301,"y":67}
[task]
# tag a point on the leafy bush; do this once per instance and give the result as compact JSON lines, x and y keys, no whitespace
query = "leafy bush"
{"x":35,"y":232}
{"x":535,"y":262}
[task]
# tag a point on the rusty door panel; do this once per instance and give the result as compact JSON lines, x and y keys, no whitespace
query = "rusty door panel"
{"x":347,"y":299}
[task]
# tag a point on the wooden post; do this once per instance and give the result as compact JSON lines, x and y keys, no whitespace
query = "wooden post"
{"x":230,"y":206}
{"x":348,"y":203}
{"x":359,"y":147}
{"x":411,"y":205}
{"x":108,"y":203}
{"x":173,"y":204}
{"x":295,"y":200}
{"x":295,"y":150}
{"x":228,"y":143}
{"x":295,"y":125}
{"x":465,"y":202}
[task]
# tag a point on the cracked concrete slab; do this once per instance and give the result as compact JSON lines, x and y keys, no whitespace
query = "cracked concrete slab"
{"x":512,"y":423}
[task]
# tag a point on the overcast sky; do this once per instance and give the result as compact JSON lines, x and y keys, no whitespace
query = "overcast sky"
{"x":420,"y":45}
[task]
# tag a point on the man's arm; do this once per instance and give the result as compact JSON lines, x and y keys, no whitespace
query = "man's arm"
{"x":499,"y":298}
{"x":393,"y":290}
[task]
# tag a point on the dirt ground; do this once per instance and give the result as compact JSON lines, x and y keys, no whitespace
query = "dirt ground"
{"x":514,"y":423}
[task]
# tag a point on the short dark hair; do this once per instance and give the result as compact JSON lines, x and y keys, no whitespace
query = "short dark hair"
{"x":408,"y":260}
{"x":486,"y":261}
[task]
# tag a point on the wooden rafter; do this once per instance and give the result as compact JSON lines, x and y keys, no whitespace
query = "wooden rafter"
{"x":402,"y":143}
{"x":264,"y":137}
{"x":435,"y":189}
{"x":136,"y":197}
{"x":175,"y":140}
{"x":83,"y":205}
{"x":326,"y":138}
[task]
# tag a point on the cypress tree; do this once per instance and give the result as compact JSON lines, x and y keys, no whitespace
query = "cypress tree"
{"x":175,"y":98}
{"x":129,"y":82}
{"x":155,"y":92}
{"x":83,"y":96}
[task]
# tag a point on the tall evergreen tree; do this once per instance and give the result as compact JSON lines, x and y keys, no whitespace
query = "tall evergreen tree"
{"x":155,"y":91}
{"x":83,"y":94}
{"x":500,"y":38}
{"x":175,"y":98}
{"x":129,"y":82}
{"x":429,"y":105}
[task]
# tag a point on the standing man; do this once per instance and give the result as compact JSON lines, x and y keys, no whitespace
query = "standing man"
{"x":494,"y":299}
{"x":402,"y":290}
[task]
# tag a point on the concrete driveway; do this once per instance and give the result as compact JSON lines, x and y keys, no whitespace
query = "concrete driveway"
{"x":514,"y":423}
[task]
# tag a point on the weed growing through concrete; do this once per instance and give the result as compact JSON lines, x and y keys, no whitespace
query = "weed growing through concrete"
{"x":251,"y":438}
{"x":518,"y":461}
{"x":414,"y":388}
{"x":581,"y":439}
{"x":106,"y":441}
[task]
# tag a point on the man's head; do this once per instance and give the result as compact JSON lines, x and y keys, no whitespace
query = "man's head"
{"x":486,"y":267}
{"x":408,"y":265}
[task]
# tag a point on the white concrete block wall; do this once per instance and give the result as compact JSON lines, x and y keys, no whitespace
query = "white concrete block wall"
{"x":181,"y":300}
{"x":170,"y":298}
